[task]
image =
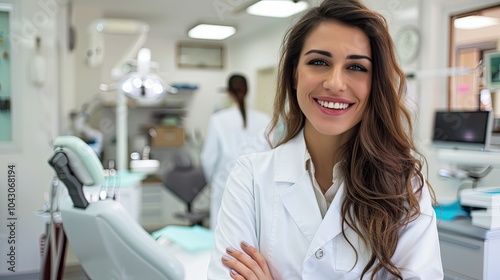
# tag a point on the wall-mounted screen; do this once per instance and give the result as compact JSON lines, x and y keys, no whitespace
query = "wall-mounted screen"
{"x":470,"y":130}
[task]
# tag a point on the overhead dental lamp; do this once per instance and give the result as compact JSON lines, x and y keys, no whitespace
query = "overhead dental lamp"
{"x":144,"y":87}
{"x":141,"y":85}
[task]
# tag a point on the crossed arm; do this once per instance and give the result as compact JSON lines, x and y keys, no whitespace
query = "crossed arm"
{"x":249,"y":266}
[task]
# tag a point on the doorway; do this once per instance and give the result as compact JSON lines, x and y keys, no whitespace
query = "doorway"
{"x":468,"y":44}
{"x":266,"y":90}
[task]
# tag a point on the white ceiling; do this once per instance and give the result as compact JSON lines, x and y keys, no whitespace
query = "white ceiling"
{"x":172,"y":18}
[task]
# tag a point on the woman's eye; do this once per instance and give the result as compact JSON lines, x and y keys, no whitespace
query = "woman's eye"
{"x":357,"y":67}
{"x":317,"y":62}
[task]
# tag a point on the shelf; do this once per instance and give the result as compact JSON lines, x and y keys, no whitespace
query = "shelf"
{"x":135,"y":105}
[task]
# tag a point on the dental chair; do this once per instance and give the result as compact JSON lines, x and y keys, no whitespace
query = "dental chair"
{"x":107,"y":241}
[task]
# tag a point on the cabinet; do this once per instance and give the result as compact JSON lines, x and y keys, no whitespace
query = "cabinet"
{"x":158,"y":206}
{"x":469,"y":252}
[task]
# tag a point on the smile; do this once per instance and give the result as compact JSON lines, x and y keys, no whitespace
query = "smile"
{"x":333,"y":105}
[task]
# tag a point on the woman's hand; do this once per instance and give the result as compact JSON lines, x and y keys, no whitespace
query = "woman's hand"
{"x":246,"y":267}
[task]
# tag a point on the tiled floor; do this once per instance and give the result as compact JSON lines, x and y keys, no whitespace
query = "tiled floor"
{"x":74,"y":272}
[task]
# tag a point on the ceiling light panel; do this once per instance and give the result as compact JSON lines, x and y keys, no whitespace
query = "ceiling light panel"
{"x":277,"y":8}
{"x":211,"y":32}
{"x":475,"y":22}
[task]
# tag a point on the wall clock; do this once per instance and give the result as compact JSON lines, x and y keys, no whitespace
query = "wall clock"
{"x":407,"y":42}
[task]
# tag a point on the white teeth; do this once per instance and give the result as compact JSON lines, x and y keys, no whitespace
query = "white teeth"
{"x":333,"y":105}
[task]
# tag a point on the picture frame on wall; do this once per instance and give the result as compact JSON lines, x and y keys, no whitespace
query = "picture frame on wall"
{"x":492,"y":69}
{"x":200,"y":56}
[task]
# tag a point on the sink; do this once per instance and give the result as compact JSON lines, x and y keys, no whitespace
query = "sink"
{"x":146,"y":166}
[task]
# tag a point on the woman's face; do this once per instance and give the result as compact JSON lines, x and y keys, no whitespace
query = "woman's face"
{"x":333,"y":78}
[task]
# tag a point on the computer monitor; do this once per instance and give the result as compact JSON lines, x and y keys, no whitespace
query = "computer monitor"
{"x":468,"y":130}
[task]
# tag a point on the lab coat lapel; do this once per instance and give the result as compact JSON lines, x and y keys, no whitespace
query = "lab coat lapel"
{"x":297,"y":194}
{"x":290,"y":160}
{"x":300,"y":202}
{"x":331,"y":226}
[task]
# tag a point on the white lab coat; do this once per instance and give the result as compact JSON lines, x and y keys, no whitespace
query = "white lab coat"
{"x":269,"y":202}
{"x":225,"y":141}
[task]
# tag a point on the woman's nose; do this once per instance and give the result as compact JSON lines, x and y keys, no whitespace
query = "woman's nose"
{"x":335,"y":80}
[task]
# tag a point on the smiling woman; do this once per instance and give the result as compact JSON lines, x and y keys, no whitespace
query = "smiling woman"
{"x":336,"y":75}
{"x":343,"y":184}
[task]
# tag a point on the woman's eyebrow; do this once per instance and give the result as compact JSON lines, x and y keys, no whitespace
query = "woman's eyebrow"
{"x":357,"y":56}
{"x":328,"y":54}
{"x":325,"y":53}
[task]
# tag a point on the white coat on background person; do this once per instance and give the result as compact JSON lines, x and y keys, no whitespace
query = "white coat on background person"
{"x":230,"y":135}
{"x":267,"y":204}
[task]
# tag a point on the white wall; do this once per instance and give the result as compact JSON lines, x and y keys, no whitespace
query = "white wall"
{"x":37,"y":123}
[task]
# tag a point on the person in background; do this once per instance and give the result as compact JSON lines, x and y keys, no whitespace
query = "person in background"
{"x":342,"y":195}
{"x":231,"y":132}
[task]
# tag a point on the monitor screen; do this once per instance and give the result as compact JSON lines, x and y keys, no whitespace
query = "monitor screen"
{"x":463,"y":129}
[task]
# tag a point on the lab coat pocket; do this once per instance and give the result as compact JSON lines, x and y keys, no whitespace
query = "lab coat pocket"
{"x":345,"y":260}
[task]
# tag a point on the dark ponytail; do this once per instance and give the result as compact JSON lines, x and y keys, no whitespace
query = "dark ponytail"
{"x":237,"y":87}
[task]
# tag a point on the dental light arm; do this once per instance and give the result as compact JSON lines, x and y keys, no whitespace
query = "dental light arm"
{"x":474,"y":165}
{"x":98,"y":28}
{"x":81,"y":126}
{"x":76,"y":165}
{"x":469,"y":158}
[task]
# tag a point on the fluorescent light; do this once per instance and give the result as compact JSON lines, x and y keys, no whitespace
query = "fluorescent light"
{"x":475,"y":22}
{"x":277,"y":8}
{"x":211,"y":32}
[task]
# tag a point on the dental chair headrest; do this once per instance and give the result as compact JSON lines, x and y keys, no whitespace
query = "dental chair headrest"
{"x":83,"y":161}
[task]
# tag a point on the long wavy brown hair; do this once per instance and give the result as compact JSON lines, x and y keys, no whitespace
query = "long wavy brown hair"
{"x":380,"y":161}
